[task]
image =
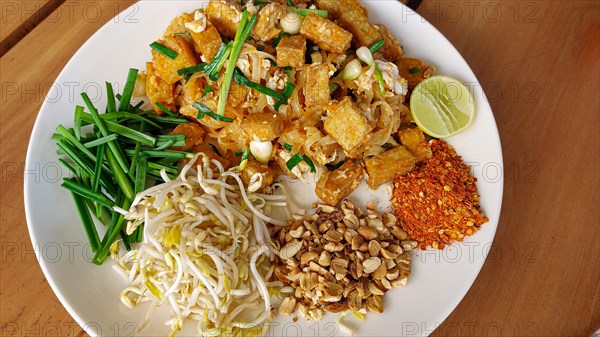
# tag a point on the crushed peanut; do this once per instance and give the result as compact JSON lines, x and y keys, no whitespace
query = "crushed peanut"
{"x":341,"y":259}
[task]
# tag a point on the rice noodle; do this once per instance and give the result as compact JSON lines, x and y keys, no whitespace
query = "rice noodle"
{"x":212,"y":266}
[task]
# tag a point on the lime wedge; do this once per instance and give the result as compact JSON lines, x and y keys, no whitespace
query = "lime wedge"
{"x":442,"y":106}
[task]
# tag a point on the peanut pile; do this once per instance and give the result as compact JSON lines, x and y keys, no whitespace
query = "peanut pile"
{"x":341,"y":259}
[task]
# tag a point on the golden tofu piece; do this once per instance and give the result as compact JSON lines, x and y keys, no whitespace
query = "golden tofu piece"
{"x":347,"y":126}
{"x":291,"y":51}
{"x":414,"y":140}
{"x":265,"y":126}
{"x":237,"y":94}
{"x":391,"y":49}
{"x":336,"y":8}
{"x":333,"y":186}
{"x":414,"y":71}
{"x":224,"y":16}
{"x":177,"y":25}
{"x":316,"y":84}
{"x":166,"y":68}
{"x":254,"y":167}
{"x":158,"y":90}
{"x":193,"y":91}
{"x":207,"y":42}
{"x":267,"y":21}
{"x":389,"y":165}
{"x":209,"y":151}
{"x":354,"y":20}
{"x":233,"y":137}
{"x":326,"y":34}
{"x":194,"y":135}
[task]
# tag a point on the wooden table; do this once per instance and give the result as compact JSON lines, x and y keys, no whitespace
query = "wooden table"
{"x":539,"y":62}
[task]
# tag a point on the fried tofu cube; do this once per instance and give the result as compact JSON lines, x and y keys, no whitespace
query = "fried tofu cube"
{"x":291,"y":51}
{"x":194,"y":135}
{"x":333,"y":186}
{"x":267,"y":21}
{"x":206,"y":41}
{"x":414,"y":140}
{"x":316,"y":85}
{"x":347,"y":126}
{"x":414,"y":71}
{"x":254,"y":167}
{"x":326,"y":34}
{"x":354,"y":20}
{"x":166,"y":68}
{"x":224,"y":16}
{"x":389,"y":165}
{"x":391,"y":49}
{"x":336,"y":8}
{"x":193,"y":91}
{"x":237,"y":94}
{"x":209,"y":151}
{"x":177,"y":25}
{"x":158,"y":90}
{"x":265,"y":126}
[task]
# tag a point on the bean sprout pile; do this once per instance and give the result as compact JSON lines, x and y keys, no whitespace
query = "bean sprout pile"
{"x":207,"y":251}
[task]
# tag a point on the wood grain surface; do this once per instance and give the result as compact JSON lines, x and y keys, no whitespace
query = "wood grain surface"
{"x":539,"y":63}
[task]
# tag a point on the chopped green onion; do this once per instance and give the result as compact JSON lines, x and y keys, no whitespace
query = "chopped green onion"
{"x":379,"y":77}
{"x":160,"y":154}
{"x":114,"y":229}
{"x":375,"y":46}
{"x":165,"y":110}
{"x":85,"y":192}
{"x":279,"y":37}
{"x":168,"y":120}
{"x":101,"y":141}
{"x":333,"y":87}
{"x":203,"y":110}
{"x":239,"y":77}
{"x":125,"y":100}
{"x":168,"y":52}
{"x":98,"y":167}
{"x":213,"y":68}
{"x":165,"y":145}
{"x":88,"y":224}
{"x":244,"y":161}
{"x":157,"y":166}
{"x":101,"y":124}
{"x":140,"y":175}
{"x":414,"y":70}
{"x":126,"y":116}
{"x":77,"y":127}
{"x":123,"y":130}
{"x":295,"y":160}
{"x":111,"y":105}
{"x":290,"y":3}
{"x":192,"y":70}
{"x":310,"y":163}
{"x":239,"y":152}
{"x":287,"y":147}
{"x":241,"y":36}
{"x":206,"y":90}
{"x":305,"y":11}
{"x":71,"y":138}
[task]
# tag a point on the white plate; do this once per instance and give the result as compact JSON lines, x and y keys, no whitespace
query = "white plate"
{"x":439,"y":279}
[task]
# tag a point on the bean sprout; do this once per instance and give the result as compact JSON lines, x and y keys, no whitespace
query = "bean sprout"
{"x":206,"y":253}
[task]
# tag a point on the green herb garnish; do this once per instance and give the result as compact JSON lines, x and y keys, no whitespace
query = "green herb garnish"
{"x":414,"y":70}
{"x":168,"y":52}
{"x":241,"y":36}
{"x":375,"y":46}
{"x":203,"y":110}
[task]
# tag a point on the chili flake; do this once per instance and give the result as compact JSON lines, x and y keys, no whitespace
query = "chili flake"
{"x":437,"y":203}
